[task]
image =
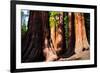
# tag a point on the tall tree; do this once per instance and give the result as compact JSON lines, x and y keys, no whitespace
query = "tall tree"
{"x":80,"y":32}
{"x":69,"y":34}
{"x":32,"y":46}
{"x":49,"y":51}
{"x":57,"y":35}
{"x":81,"y":42}
{"x":60,"y":36}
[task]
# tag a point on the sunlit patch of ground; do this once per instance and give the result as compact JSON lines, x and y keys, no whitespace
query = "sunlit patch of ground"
{"x":85,"y":55}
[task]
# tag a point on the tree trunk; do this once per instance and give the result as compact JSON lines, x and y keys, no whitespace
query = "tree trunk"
{"x":71,"y":41}
{"x":56,"y":37}
{"x":60,"y":34}
{"x":81,"y":42}
{"x":69,"y":35}
{"x":32,"y":46}
{"x":80,"y":32}
{"x":85,"y":41}
{"x":49,"y":51}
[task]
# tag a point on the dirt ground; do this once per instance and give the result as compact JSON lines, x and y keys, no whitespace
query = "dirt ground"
{"x":85,"y":55}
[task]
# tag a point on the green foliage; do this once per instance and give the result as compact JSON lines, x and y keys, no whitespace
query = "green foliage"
{"x":23,"y":28}
{"x":53,"y":19}
{"x":66,"y":30}
{"x":54,"y":22}
{"x":54,"y":13}
{"x":66,"y":20}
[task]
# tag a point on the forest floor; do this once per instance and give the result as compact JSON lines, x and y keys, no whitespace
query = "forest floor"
{"x":85,"y":55}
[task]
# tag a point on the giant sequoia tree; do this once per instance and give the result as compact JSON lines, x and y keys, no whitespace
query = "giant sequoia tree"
{"x":57,"y":36}
{"x":32,"y":45}
{"x":80,"y":31}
